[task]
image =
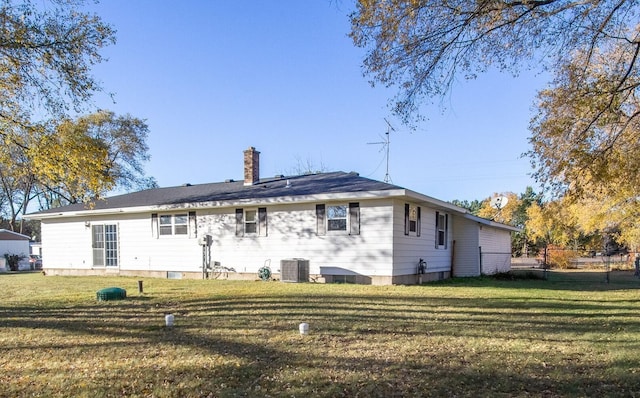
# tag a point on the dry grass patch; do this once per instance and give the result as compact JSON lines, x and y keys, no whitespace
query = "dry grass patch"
{"x":474,"y":337}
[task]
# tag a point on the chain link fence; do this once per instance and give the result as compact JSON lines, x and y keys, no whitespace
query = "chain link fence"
{"x":591,"y":264}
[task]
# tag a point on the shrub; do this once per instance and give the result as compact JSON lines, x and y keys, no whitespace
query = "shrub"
{"x":13,"y":260}
{"x":560,"y":258}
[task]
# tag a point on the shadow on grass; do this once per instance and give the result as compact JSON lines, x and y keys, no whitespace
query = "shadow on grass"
{"x":571,"y":280}
{"x":368,"y":345}
{"x":409,"y":341}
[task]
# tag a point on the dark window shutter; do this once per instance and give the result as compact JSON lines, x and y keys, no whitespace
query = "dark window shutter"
{"x":154,"y":225}
{"x":419,"y":224}
{"x":239,"y":222}
{"x":446,"y":230}
{"x":354,"y":218}
{"x":262,"y":220}
{"x":321,"y":228}
{"x":437,"y":229}
{"x":406,"y":218}
{"x":193,"y":225}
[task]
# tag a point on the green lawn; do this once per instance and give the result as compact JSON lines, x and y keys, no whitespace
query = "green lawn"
{"x":571,"y":335}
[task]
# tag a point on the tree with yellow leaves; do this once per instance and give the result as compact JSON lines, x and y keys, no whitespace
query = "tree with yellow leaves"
{"x":47,"y":49}
{"x":74,"y":161}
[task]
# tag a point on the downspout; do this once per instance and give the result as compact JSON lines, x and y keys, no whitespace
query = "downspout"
{"x":480,"y":262}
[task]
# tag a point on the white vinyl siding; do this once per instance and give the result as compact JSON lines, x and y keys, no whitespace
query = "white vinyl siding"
{"x":409,"y":249}
{"x":496,"y":250}
{"x":69,"y":245}
{"x":467,"y":254}
{"x":374,"y":246}
{"x":472,"y":239}
{"x":293,"y":234}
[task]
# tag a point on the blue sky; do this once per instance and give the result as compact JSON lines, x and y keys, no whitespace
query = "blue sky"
{"x":212,"y":78}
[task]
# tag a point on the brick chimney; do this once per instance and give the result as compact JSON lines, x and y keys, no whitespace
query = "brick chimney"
{"x":251,"y":166}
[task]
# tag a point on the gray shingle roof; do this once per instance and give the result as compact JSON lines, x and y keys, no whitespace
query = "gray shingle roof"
{"x":312,"y":184}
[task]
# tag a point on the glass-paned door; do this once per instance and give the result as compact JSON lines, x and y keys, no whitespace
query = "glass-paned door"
{"x":105,"y":245}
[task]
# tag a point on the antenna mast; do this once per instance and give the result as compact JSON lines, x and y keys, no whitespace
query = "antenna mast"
{"x":385,"y":146}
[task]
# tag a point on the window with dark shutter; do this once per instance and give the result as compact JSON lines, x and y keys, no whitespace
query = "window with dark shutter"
{"x":441,"y":230}
{"x":154,"y":225}
{"x":412,"y":220}
{"x":262,"y":221}
{"x":437,"y":229}
{"x":239,"y":222}
{"x":406,"y":218}
{"x":354,"y":218}
{"x":446,"y":230}
{"x":193,"y":225}
{"x":320,"y":220}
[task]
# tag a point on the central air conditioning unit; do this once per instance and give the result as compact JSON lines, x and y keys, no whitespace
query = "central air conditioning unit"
{"x":294,"y":270}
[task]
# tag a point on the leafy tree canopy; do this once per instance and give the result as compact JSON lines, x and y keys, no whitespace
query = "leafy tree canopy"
{"x":421,"y":47}
{"x":79,"y":160}
{"x":72,"y":161}
{"x":47,"y":50}
{"x":586,"y":134}
{"x":472,"y":206}
{"x":585,"y":140}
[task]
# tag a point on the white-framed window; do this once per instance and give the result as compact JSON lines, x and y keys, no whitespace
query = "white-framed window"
{"x":104,"y":243}
{"x":174,"y":224}
{"x":338,"y":219}
{"x":250,"y":221}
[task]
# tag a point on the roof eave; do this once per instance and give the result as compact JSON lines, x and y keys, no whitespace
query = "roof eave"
{"x":485,"y":221}
{"x":17,"y":234}
{"x":344,"y":196}
{"x":436,"y":203}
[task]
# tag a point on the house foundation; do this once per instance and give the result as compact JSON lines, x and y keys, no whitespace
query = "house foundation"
{"x":249,"y":276}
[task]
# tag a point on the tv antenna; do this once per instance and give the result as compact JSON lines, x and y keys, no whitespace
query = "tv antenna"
{"x":385,"y":147}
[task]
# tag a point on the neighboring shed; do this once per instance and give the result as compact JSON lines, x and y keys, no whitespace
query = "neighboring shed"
{"x":13,"y":243}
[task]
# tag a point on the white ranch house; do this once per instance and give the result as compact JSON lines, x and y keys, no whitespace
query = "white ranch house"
{"x":337,"y":227}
